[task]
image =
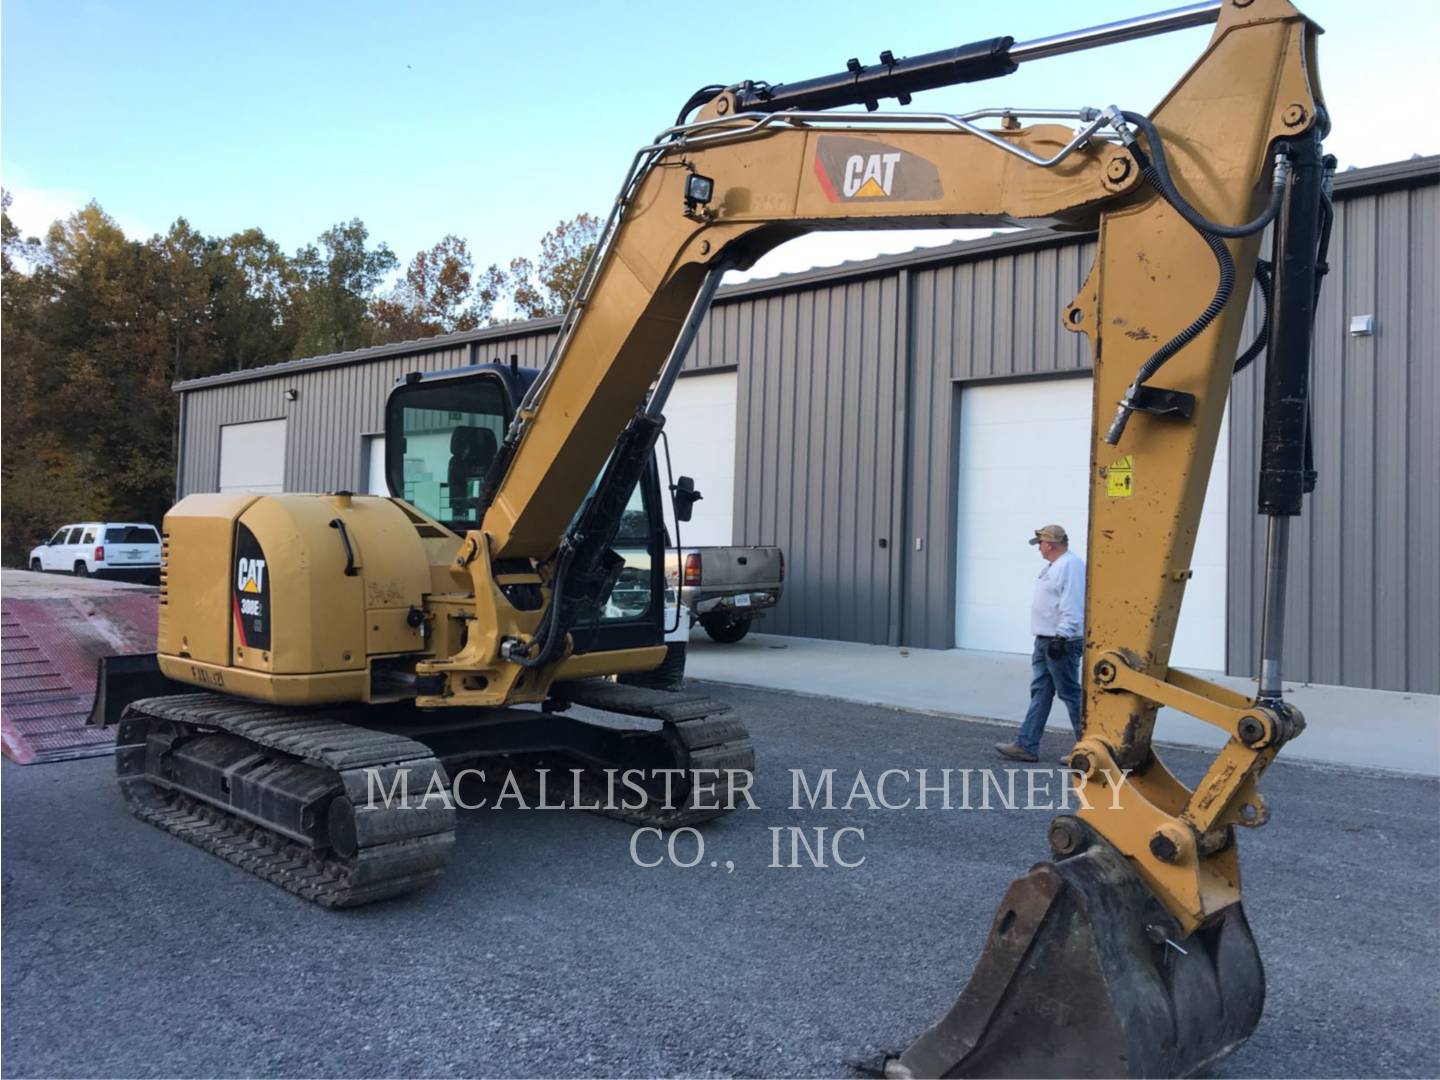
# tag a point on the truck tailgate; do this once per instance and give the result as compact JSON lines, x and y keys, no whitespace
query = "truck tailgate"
{"x":740,"y":567}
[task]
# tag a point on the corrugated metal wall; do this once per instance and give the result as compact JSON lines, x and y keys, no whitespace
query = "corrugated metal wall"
{"x":845,"y":427}
{"x":819,"y":407}
{"x":334,"y":408}
{"x":992,"y":319}
{"x":337,"y":404}
{"x":1360,"y":612}
{"x":849,"y":390}
{"x":1364,"y":599}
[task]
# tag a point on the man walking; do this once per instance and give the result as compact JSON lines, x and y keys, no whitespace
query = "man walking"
{"x":1057,"y":614}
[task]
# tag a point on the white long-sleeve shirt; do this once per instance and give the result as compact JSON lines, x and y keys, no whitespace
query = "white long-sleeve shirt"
{"x":1058,"y":607}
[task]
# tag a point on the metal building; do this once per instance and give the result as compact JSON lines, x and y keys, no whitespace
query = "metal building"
{"x":901,"y":425}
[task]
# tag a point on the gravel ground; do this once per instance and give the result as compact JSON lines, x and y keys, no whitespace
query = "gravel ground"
{"x":545,"y":951}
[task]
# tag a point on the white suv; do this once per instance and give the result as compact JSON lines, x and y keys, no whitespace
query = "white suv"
{"x":119,"y":549}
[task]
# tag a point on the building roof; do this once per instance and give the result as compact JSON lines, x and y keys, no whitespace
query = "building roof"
{"x":1415,"y":172}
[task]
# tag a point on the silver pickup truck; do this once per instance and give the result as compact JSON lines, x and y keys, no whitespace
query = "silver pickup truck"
{"x":726,"y":588}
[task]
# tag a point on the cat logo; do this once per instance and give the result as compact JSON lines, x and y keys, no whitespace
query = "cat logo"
{"x":252,"y":592}
{"x":251,"y":575}
{"x":850,"y":169}
{"x":869,"y":177}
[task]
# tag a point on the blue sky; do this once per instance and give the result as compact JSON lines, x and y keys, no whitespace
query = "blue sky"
{"x":496,"y":120}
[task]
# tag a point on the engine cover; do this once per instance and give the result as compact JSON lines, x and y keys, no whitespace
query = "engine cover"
{"x":288,"y":598}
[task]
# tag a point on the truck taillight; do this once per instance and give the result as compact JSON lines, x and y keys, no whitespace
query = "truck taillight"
{"x":692,"y":568}
{"x":99,"y":554}
{"x":782,"y":566}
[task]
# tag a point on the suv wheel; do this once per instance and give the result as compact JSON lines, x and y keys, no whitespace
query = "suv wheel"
{"x":35,"y":565}
{"x":81,"y":570}
{"x":726,"y":629}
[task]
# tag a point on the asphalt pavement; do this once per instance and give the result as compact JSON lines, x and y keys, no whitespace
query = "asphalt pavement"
{"x":546,"y":951}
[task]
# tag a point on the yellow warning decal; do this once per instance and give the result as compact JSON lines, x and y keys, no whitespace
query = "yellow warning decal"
{"x":1120,"y":478}
{"x":871,"y":189}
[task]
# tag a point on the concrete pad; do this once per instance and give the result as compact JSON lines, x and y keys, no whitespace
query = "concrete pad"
{"x":1371,"y":729}
{"x":28,"y":585}
{"x":53,"y":631}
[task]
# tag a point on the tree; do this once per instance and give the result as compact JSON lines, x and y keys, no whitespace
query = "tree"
{"x":98,"y":327}
{"x":90,"y":338}
{"x":337,"y":279}
{"x":437,"y":295}
{"x":254,"y":316}
{"x":181,"y":294}
{"x":546,"y":286}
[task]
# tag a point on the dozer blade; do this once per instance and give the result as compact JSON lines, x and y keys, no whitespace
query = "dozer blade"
{"x":1084,"y":974}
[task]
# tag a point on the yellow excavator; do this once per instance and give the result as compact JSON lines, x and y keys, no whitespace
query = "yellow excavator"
{"x":312,"y":646}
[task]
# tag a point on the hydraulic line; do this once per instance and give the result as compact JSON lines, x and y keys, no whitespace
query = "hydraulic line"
{"x":1172,"y":195}
{"x":1156,"y":172}
{"x":1262,"y":339}
{"x":698,"y":98}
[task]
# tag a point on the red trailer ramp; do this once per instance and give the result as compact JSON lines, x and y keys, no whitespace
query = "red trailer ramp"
{"x":50,"y":647}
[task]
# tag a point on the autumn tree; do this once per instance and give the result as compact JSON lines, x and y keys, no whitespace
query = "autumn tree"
{"x":546,"y":285}
{"x":89,"y":433}
{"x":97,"y":328}
{"x":437,"y":295}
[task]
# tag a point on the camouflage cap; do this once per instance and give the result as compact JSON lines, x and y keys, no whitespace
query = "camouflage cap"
{"x":1052,"y":533}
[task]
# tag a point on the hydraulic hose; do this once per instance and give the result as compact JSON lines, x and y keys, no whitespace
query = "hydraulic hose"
{"x":1262,"y":339}
{"x":1166,"y":184}
{"x":1156,"y":172}
{"x":541,"y":649}
{"x":1223,"y":290}
{"x":1225,"y":265}
{"x":698,"y":98}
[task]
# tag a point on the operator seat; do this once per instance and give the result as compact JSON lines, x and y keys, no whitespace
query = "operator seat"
{"x":472,"y":449}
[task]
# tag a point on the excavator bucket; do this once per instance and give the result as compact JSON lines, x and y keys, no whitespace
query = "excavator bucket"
{"x":1084,"y":974}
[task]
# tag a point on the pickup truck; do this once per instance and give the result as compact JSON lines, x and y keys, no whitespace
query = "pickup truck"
{"x":725,"y":589}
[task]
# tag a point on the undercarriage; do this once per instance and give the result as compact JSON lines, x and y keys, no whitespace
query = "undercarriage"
{"x":349,"y":806}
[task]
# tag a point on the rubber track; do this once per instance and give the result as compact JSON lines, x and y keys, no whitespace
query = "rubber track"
{"x":713,"y":737}
{"x":409,"y":843}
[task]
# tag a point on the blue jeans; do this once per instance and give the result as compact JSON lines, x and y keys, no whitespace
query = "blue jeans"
{"x":1047,"y":678}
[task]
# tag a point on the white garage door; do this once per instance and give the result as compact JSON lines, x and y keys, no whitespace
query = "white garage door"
{"x":700,"y":424}
{"x":1023,"y":462}
{"x":252,"y":457}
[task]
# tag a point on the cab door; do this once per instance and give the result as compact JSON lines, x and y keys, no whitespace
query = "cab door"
{"x":633,"y":615}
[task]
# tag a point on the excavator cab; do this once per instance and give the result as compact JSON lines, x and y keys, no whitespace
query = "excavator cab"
{"x":443,"y":431}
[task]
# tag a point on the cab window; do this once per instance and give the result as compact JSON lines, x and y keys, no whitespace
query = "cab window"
{"x":89,"y":537}
{"x":59,"y":537}
{"x":442,"y":438}
{"x":633,"y":594}
{"x":74,"y":535}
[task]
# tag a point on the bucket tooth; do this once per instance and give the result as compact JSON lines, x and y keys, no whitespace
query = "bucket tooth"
{"x":1084,"y":974}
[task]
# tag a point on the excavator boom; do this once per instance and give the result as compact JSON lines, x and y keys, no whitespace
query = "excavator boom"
{"x":1140,"y":915}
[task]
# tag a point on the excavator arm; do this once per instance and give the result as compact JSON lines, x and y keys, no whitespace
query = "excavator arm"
{"x":1141,"y":907}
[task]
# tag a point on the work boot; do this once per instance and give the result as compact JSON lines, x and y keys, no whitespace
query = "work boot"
{"x":1015,"y":752}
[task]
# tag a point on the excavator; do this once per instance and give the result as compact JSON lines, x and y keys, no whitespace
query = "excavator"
{"x":310,"y":644}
